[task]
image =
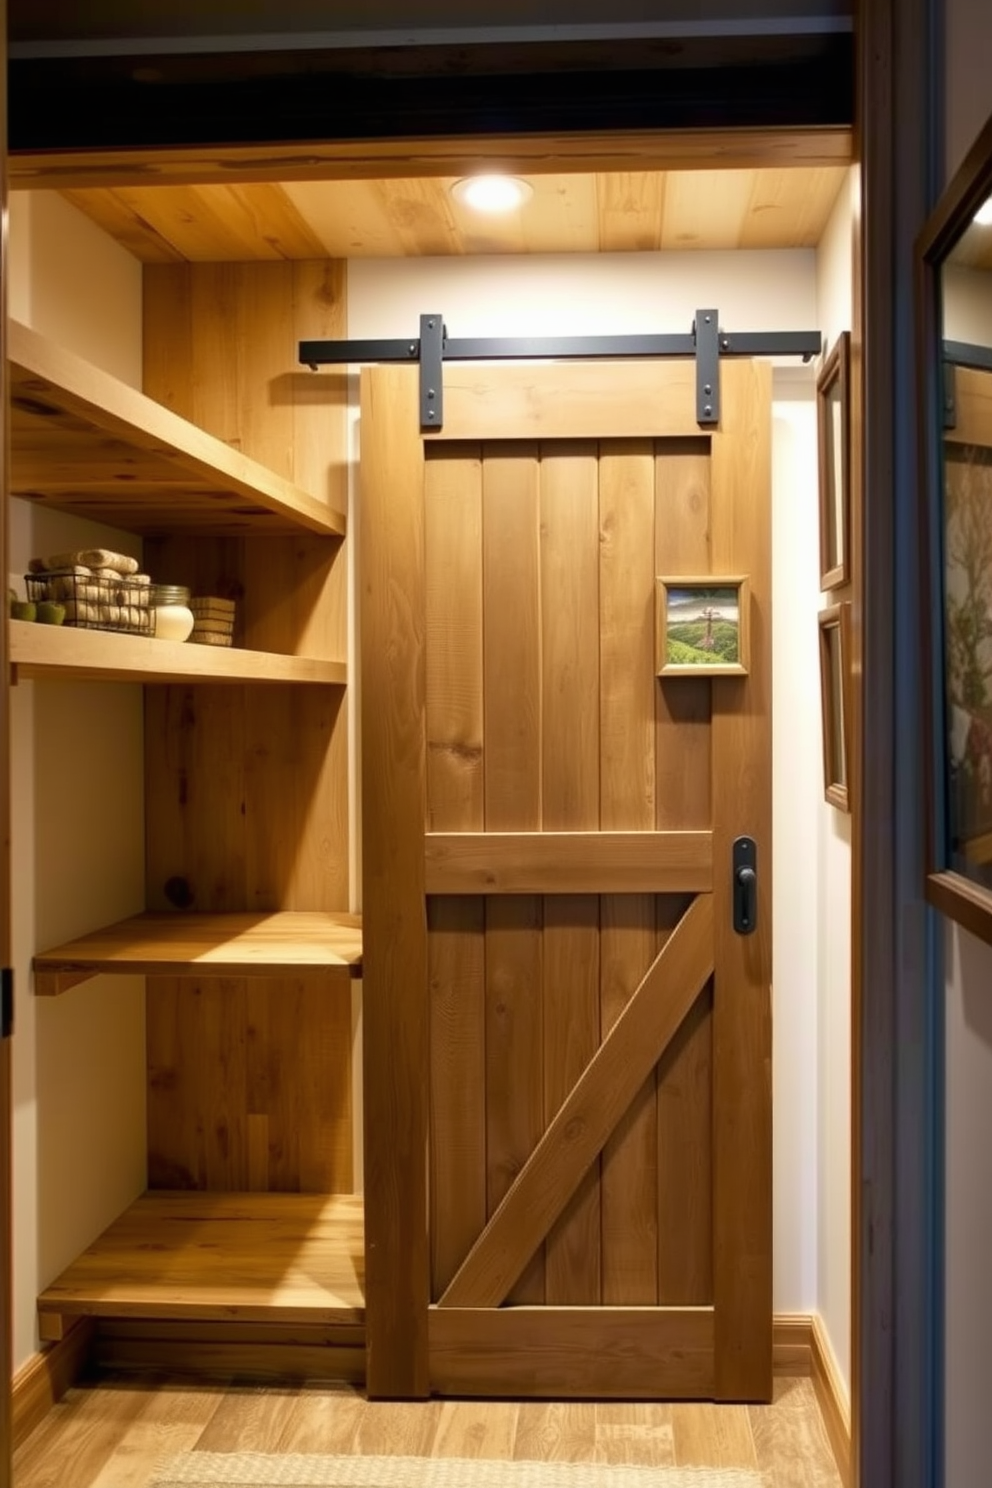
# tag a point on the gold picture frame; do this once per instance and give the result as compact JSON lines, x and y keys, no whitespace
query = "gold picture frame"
{"x":703,"y":626}
{"x":835,"y":694}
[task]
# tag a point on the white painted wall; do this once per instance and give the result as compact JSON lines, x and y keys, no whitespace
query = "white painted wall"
{"x":968,"y":970}
{"x":604,"y":294}
{"x":77,"y":828}
{"x":835,"y":267}
{"x":967,"y":305}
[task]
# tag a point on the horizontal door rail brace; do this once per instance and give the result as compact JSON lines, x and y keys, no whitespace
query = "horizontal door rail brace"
{"x":706,"y":342}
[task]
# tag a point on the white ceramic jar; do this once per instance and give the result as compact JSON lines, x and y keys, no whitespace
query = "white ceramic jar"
{"x":173,"y":616}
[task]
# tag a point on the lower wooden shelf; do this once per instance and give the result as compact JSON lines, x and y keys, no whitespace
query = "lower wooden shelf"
{"x":224,"y":1257}
{"x":61,"y":651}
{"x":286,"y":943}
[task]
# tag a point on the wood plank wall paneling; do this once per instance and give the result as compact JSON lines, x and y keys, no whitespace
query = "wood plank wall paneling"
{"x":684,"y":798}
{"x":569,"y":580}
{"x":246,"y":792}
{"x":629,"y":1162}
{"x":512,"y":710}
{"x":549,"y":598}
{"x":455,"y":802}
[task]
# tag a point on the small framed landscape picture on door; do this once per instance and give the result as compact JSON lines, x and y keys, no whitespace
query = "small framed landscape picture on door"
{"x":834,"y":442}
{"x":835,"y":693}
{"x":702,"y":626}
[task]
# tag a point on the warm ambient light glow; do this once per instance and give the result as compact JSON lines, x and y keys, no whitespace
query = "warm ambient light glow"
{"x":492,"y":193}
{"x":984,"y":214}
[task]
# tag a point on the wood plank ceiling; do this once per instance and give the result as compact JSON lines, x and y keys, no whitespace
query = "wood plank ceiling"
{"x":568,"y":213}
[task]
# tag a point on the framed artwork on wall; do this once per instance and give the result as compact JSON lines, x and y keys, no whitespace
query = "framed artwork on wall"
{"x":835,"y":650}
{"x":834,"y":443}
{"x":702,"y":626}
{"x":955,"y":400}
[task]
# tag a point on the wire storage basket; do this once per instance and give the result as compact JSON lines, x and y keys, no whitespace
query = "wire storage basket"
{"x":94,"y":600}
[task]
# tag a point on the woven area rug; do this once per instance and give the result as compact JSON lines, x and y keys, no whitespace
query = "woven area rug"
{"x":293,"y":1470}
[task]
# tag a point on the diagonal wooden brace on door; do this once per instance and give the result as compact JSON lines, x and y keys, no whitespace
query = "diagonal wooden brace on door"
{"x":589,"y":1115}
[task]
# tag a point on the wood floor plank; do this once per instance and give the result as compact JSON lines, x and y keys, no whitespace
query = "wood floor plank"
{"x":708,"y":1435}
{"x":635,"y":1435}
{"x":173,"y":1421}
{"x":115,"y":1420}
{"x":250,"y":1418}
{"x":469,"y":1428}
{"x":82,"y":1432}
{"x":790,"y":1439}
{"x":398,"y":1428}
{"x":323,"y":1419}
{"x":555,"y":1431}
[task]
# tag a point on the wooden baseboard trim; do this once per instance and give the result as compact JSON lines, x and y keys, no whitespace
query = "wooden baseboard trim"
{"x":792,"y":1345}
{"x":832,"y":1398}
{"x":43,"y":1380}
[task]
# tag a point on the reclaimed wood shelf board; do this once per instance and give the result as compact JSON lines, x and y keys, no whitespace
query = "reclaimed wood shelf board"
{"x":262,"y":1257}
{"x":82,"y":441}
{"x":288,"y":943}
{"x":61,"y":651}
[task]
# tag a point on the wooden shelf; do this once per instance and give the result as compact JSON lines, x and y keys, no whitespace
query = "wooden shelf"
{"x":287,"y":943}
{"x":83,"y":441}
{"x":62,"y":651}
{"x":258,"y":1257}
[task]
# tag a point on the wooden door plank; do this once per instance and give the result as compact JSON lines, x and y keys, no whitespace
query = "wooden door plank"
{"x":456,"y":943}
{"x":625,"y":1353}
{"x":627,"y":804}
{"x":579,"y":1131}
{"x":683,"y":545}
{"x":396,"y":1017}
{"x":685,"y":1158}
{"x":622,"y":862}
{"x":570,"y":800}
{"x":684,"y":797}
{"x":512,"y":709}
{"x":618,"y":400}
{"x":742,"y":1137}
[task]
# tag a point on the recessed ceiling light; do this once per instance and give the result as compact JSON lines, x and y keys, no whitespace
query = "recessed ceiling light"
{"x":492,"y":193}
{"x":984,"y":214}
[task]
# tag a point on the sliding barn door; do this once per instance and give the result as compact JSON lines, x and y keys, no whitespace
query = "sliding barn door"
{"x":567,"y":1045}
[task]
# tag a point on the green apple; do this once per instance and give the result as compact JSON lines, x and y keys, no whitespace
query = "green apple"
{"x":50,"y":612}
{"x":23,"y":609}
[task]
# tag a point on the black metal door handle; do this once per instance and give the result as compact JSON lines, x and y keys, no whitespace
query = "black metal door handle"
{"x":745,"y":886}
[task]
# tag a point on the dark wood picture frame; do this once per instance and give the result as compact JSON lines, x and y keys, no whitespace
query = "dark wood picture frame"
{"x":948,"y":888}
{"x":833,"y":425}
{"x":835,"y":701}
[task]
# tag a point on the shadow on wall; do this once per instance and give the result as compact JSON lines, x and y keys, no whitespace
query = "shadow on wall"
{"x":976,"y":994}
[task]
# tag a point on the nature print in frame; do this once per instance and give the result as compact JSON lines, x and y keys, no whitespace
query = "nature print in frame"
{"x":702,"y":626}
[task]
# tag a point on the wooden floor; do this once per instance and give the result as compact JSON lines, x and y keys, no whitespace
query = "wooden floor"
{"x":112,"y":1433}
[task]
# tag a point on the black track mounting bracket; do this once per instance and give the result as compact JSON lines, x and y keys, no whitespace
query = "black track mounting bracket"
{"x":707,"y":343}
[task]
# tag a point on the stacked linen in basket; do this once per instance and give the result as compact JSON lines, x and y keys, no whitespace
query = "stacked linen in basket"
{"x":99,"y":589}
